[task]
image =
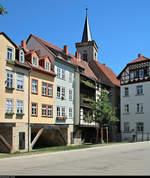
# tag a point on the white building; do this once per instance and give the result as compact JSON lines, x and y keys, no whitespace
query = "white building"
{"x":135,"y":99}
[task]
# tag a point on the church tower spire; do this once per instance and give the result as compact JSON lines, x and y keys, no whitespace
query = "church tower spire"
{"x":86,"y":32}
{"x":87,"y":47}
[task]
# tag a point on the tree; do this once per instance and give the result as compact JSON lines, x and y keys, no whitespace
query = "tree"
{"x":2,"y":10}
{"x":102,"y":111}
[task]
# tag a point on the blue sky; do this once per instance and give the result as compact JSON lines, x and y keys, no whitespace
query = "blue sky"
{"x":121,"y":28}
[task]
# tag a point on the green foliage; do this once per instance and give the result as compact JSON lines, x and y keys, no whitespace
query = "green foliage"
{"x":102,"y":112}
{"x":2,"y":10}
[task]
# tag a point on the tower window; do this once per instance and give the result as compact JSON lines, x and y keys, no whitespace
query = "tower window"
{"x":84,"y":56}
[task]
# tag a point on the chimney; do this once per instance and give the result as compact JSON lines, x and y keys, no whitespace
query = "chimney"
{"x":66,"y":49}
{"x":139,"y":55}
{"x":78,"y":56}
{"x":23,"y":44}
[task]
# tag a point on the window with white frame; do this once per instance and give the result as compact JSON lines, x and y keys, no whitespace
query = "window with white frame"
{"x":19,"y":107}
{"x":63,"y":74}
{"x":70,"y":112}
{"x":139,"y":107}
{"x":58,"y":92}
{"x":63,"y":113}
{"x":9,"y":79}
{"x":139,"y":89}
{"x":50,"y":90}
{"x":44,"y":88}
{"x":47,"y":66}
{"x":70,"y":77}
{"x":35,"y":61}
{"x":58,"y":72}
{"x":34,"y":86}
{"x":20,"y":82}
{"x":34,"y":109}
{"x":9,"y":53}
{"x":126,"y":127}
{"x":70,"y":94}
{"x":49,"y":111}
{"x":44,"y":109}
{"x":58,"y":111}
{"x":63,"y":92}
{"x":21,"y":56}
{"x":126,"y":91}
{"x":126,"y":108}
{"x":140,"y":126}
{"x":9,"y":105}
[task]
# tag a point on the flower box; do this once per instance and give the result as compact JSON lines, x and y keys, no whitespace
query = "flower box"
{"x":9,"y":113}
{"x":61,"y":118}
{"x":9,"y":88}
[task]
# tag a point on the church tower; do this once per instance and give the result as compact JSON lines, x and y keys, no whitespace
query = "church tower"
{"x":87,"y":47}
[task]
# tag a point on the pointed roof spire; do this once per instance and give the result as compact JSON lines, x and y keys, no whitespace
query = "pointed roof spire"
{"x":86,"y":32}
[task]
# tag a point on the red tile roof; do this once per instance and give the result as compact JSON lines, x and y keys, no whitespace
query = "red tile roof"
{"x":87,"y":70}
{"x":105,"y":73}
{"x":139,"y":59}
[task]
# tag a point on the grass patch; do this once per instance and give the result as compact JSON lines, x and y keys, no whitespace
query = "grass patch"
{"x":56,"y":149}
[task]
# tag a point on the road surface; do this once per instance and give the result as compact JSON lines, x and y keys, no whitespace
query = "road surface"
{"x":118,"y":159}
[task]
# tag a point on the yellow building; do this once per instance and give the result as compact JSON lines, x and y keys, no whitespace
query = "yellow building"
{"x":14,"y":97}
{"x":41,"y":95}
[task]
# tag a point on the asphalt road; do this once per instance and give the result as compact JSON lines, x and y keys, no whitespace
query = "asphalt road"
{"x":119,"y":159}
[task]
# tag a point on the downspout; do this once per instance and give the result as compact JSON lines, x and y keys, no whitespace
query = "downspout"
{"x":29,"y":112}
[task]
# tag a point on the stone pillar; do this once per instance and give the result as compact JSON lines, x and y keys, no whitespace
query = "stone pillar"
{"x":70,"y":134}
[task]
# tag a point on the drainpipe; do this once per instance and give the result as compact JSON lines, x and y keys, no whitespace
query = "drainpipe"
{"x":29,"y":111}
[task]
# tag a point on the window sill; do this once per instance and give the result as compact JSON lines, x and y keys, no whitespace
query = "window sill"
{"x":9,"y":88}
{"x":20,"y":89}
{"x":126,"y":113}
{"x":139,"y":94}
{"x":139,"y":113}
{"x":34,"y":115}
{"x":34,"y":93}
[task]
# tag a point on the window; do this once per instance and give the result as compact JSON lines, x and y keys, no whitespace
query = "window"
{"x":126,"y":108}
{"x":70,"y":77}
{"x":63,"y":112}
{"x":139,"y":126}
{"x":131,"y":75}
{"x":58,"y":72}
{"x":20,"y":82}
{"x":9,"y":105}
{"x":47,"y":66}
{"x":35,"y":61}
{"x":9,"y":53}
{"x":70,"y":94}
{"x":139,"y":108}
{"x":44,"y":110}
{"x":19,"y":106}
{"x":49,"y":111}
{"x":84,"y":56}
{"x":58,"y":92}
{"x":21,"y":57}
{"x":44,"y":88}
{"x":63,"y":93}
{"x":34,"y":109}
{"x":139,"y":89}
{"x":126,"y":127}
{"x":50,"y":90}
{"x":141,"y":73}
{"x":126,"y":91}
{"x":9,"y":79}
{"x":34,"y":86}
{"x":63,"y":74}
{"x":70,"y":112}
{"x":58,"y":111}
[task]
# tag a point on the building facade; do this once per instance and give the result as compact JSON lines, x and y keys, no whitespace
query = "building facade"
{"x":135,"y":86}
{"x":14,"y":94}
